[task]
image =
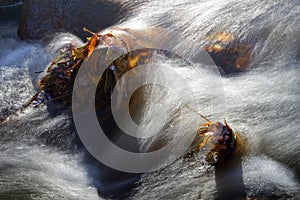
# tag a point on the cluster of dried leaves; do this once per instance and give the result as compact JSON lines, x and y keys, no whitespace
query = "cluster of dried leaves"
{"x":57,"y":81}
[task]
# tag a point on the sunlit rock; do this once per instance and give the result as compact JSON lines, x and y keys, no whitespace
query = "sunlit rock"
{"x":218,"y":142}
{"x":229,"y":53}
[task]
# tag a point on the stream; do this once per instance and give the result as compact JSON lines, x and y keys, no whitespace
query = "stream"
{"x":41,"y":157}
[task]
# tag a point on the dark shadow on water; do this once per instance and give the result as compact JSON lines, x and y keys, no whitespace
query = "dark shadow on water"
{"x":229,"y":181}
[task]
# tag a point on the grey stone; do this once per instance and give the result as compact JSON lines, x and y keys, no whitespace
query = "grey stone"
{"x":43,"y":17}
{"x":9,"y":2}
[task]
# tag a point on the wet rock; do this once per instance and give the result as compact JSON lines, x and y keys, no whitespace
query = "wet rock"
{"x":219,"y":143}
{"x":229,"y":53}
{"x":9,"y":2}
{"x":43,"y":17}
{"x":10,"y":10}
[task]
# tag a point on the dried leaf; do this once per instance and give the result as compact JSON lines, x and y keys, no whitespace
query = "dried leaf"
{"x":92,"y":44}
{"x":79,"y":53}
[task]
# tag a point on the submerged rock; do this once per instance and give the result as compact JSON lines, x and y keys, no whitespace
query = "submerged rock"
{"x":229,"y":53}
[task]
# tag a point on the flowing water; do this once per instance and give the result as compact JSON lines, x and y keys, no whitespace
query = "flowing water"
{"x":39,"y":155}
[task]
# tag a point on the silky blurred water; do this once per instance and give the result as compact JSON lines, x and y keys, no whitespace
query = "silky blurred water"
{"x":39,"y":158}
{"x":29,"y":169}
{"x":262,"y":103}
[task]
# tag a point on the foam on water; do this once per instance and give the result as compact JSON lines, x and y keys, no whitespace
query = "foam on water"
{"x":39,"y":172}
{"x":262,"y":104}
{"x":29,"y":169}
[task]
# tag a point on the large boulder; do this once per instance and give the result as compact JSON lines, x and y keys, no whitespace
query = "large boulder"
{"x":9,"y":2}
{"x":43,"y":17}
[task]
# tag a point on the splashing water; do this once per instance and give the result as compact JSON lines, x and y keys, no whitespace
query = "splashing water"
{"x":262,"y":104}
{"x":28,"y":168}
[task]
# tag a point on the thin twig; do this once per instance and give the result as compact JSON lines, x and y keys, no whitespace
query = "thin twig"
{"x":197,"y":112}
{"x":38,"y":72}
{"x":88,"y":31}
{"x":25,"y":105}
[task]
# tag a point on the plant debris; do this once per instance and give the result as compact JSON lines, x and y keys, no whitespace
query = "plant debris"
{"x":58,"y":79}
{"x":218,"y":142}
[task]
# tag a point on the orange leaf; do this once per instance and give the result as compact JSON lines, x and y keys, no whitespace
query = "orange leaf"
{"x":92,"y":44}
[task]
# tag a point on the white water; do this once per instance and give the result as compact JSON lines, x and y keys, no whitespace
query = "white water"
{"x":29,"y":169}
{"x":262,"y":104}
